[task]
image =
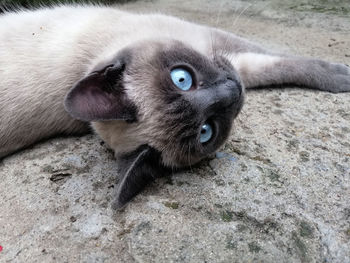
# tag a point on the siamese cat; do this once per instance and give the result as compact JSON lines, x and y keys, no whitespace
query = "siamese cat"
{"x":160,"y":91}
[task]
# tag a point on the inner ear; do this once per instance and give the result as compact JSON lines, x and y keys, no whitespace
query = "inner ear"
{"x":101,"y":96}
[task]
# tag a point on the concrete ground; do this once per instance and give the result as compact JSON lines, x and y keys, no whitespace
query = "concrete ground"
{"x":278,"y":191}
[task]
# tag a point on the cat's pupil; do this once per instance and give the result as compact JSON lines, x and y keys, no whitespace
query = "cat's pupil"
{"x":181,"y":80}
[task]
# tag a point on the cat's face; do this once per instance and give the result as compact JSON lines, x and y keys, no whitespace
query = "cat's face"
{"x":184,"y":102}
{"x":165,"y":95}
{"x":188,"y":102}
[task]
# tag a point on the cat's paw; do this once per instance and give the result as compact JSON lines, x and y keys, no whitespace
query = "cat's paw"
{"x":340,"y":77}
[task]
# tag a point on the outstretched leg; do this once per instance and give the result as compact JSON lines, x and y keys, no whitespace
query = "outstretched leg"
{"x":258,"y":67}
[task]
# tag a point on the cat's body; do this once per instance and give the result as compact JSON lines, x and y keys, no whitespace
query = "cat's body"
{"x":43,"y":54}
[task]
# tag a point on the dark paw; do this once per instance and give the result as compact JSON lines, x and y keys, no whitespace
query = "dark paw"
{"x":340,"y":78}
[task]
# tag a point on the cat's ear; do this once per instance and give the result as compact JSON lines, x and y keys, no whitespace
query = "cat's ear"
{"x":101,"y":96}
{"x":137,"y":169}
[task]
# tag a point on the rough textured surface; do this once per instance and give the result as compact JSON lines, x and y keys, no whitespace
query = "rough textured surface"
{"x":278,"y":191}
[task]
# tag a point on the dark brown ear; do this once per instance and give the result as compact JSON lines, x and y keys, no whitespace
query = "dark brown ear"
{"x":101,"y":96}
{"x":137,"y":169}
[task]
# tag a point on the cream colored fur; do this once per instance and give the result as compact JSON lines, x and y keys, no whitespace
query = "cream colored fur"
{"x":43,"y":53}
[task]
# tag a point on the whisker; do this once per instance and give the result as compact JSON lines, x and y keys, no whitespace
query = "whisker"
{"x":255,"y":13}
{"x":189,"y":158}
{"x":236,"y":21}
{"x":219,"y":14}
{"x":241,"y":13}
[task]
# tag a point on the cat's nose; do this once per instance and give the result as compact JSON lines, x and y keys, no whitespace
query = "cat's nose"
{"x":226,"y":92}
{"x":229,"y":91}
{"x":228,"y":78}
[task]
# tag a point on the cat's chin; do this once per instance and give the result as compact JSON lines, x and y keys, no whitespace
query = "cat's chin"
{"x":174,"y":160}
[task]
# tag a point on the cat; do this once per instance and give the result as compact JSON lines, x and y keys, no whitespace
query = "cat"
{"x":160,"y":91}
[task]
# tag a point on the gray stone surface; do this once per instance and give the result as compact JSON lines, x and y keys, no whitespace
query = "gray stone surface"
{"x":278,"y":191}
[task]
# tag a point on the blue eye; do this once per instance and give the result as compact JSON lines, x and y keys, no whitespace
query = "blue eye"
{"x":206,"y":133}
{"x":181,"y":78}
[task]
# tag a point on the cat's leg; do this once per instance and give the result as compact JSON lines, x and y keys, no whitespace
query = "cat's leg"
{"x":258,"y":70}
{"x":258,"y":67}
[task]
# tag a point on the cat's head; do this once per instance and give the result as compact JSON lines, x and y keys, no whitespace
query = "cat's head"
{"x":158,"y":105}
